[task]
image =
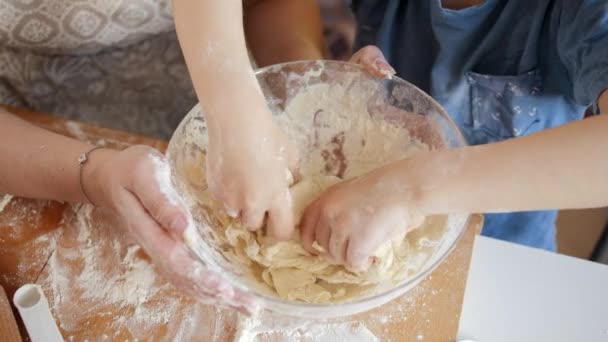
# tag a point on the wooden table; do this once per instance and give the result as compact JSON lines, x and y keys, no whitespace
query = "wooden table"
{"x":102,"y":287}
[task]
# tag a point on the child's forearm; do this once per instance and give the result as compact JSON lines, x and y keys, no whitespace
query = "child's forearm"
{"x":213,"y":42}
{"x":564,"y":167}
{"x":280,"y":31}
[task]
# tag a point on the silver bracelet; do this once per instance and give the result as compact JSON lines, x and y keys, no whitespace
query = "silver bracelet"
{"x":82,"y":160}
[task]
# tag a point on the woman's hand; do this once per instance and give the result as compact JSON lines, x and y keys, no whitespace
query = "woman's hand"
{"x":374,"y":62}
{"x":135,"y":185}
{"x":350,"y":220}
{"x":248,"y":164}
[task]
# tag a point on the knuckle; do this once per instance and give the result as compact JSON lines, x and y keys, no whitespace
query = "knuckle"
{"x":329,"y":211}
{"x":340,"y":232}
{"x":338,"y":221}
{"x":307,"y":237}
{"x":255,"y":200}
{"x":142,"y":153}
{"x":157,"y":205}
{"x":142,"y":165}
{"x":354,"y":252}
{"x":252,"y":218}
{"x":343,"y":219}
{"x":167,"y":215}
{"x":250,"y":206}
{"x":250,"y":196}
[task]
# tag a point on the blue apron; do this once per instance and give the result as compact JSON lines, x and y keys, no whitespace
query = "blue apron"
{"x":502,"y":69}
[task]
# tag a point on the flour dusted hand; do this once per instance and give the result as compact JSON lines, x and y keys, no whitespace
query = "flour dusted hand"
{"x":352,"y":219}
{"x":136,"y":185}
{"x":305,"y":192}
{"x":339,"y":141}
{"x":247,"y":163}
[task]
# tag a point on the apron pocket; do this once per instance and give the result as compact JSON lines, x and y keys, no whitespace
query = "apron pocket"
{"x":504,"y":107}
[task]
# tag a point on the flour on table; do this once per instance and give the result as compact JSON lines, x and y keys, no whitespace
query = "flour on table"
{"x":338,"y":140}
{"x":251,"y":329}
{"x":106,"y":275}
{"x":339,"y":332}
{"x":132,"y":287}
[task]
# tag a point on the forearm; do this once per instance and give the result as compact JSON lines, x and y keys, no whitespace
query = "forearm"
{"x":213,"y":42}
{"x":280,"y":31}
{"x":38,"y":163}
{"x":565,"y":167}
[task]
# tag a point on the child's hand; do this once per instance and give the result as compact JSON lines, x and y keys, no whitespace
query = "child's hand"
{"x":372,"y":59}
{"x":350,"y":220}
{"x":247,"y":166}
{"x":135,"y":185}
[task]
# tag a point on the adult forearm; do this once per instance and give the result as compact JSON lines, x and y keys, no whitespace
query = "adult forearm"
{"x":37,"y":163}
{"x":280,"y":31}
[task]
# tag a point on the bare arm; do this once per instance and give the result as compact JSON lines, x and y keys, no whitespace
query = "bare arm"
{"x":212,"y":39}
{"x":564,"y":167}
{"x":247,"y":154}
{"x":38,"y":163}
{"x":561,"y":168}
{"x":280,"y":31}
{"x":44,"y":164}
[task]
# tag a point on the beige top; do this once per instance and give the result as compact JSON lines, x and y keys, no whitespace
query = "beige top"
{"x":116,"y":63}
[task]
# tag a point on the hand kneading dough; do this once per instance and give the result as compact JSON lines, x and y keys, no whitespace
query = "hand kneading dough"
{"x":335,"y":135}
{"x":288,"y":270}
{"x":306,"y":191}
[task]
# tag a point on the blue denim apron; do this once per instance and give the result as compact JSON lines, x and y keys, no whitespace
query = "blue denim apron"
{"x":502,"y":69}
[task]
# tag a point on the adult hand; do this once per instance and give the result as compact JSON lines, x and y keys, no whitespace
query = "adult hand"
{"x":135,"y":184}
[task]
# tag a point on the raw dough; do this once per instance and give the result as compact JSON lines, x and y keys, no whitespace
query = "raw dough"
{"x":290,"y":271}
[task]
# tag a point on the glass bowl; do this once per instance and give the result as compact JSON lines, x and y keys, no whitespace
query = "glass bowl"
{"x":393,"y":100}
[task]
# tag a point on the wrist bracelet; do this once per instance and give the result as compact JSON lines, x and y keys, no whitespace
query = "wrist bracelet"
{"x":82,"y":160}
